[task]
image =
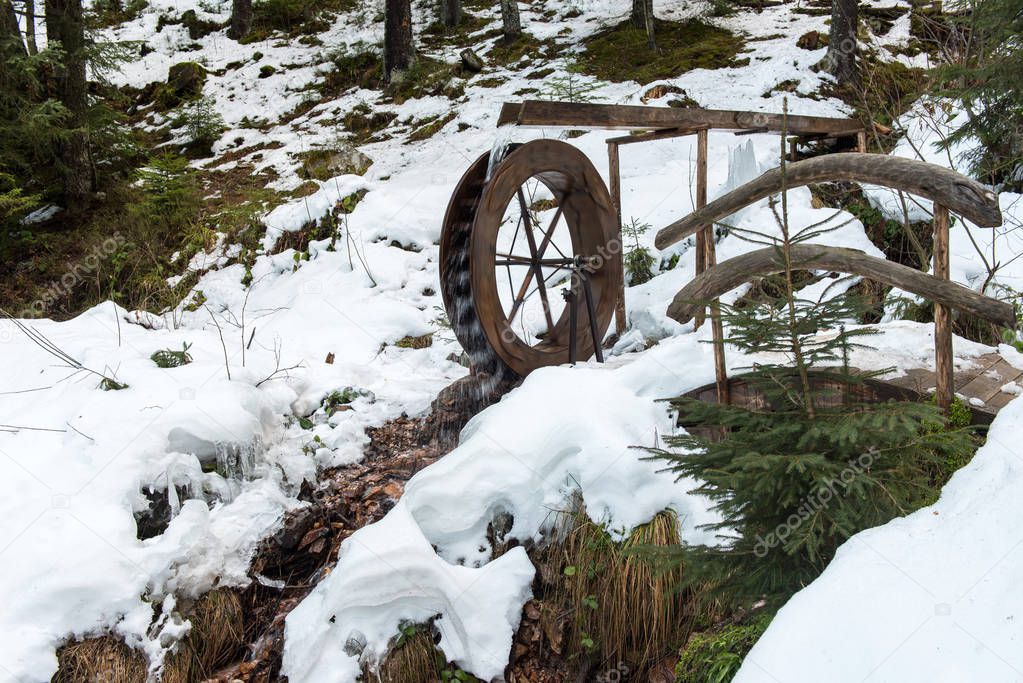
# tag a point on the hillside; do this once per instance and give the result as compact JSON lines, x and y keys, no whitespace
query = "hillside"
{"x":277,"y":423}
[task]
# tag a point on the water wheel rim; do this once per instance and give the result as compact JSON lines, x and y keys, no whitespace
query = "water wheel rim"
{"x":585,"y":204}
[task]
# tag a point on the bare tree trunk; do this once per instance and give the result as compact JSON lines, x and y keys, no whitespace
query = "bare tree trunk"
{"x":399,"y":52}
{"x":510,"y":17}
{"x":30,"y":26}
{"x":65,"y":25}
{"x":241,"y":19}
{"x":450,"y":12}
{"x":637,"y":17}
{"x":840,"y":61}
{"x":642,"y":16}
{"x":10,"y":33}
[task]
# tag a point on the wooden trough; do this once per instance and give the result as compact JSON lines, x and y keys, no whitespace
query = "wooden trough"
{"x":494,"y":203}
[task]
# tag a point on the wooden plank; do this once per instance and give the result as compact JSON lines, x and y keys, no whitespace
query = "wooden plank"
{"x":957,"y":192}
{"x":741,"y":269}
{"x":615,"y":186}
{"x":942,"y":314}
{"x":635,"y":117}
{"x":663,"y":134}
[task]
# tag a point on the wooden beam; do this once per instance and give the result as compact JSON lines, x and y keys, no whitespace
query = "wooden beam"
{"x":635,"y":117}
{"x":701,"y":201}
{"x":615,"y":186}
{"x":736,"y":271}
{"x":662,"y":134}
{"x":942,"y":315}
{"x":959,"y":193}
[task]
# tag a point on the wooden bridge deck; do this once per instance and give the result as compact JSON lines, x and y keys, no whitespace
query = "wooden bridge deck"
{"x":988,"y":384}
{"x":981,"y":384}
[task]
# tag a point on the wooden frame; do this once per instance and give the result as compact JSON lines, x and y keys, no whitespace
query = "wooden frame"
{"x":947,"y":190}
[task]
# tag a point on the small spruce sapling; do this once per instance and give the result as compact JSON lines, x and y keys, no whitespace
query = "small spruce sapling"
{"x":814,"y":461}
{"x":639,"y":261}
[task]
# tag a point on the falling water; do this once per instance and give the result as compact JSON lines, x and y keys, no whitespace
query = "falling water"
{"x":503,"y":139}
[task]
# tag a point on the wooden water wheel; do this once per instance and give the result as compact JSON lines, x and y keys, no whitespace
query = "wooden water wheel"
{"x":530,"y":260}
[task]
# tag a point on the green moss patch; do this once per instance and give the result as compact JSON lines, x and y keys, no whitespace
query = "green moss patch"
{"x":621,"y":53}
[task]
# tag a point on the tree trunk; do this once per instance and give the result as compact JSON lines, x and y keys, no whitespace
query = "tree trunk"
{"x":241,"y":19}
{"x":512,"y":22}
{"x":30,"y":26}
{"x":637,"y":17}
{"x":450,"y":12}
{"x":399,"y":53}
{"x":840,"y":61}
{"x":65,"y":25}
{"x":643,"y":17}
{"x":10,"y":34}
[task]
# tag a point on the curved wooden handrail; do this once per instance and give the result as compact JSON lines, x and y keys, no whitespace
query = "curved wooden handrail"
{"x":960,"y":194}
{"x":729,"y":274}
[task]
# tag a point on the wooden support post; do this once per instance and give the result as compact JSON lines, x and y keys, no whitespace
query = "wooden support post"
{"x":942,"y":314}
{"x":615,"y":186}
{"x":706,"y":257}
{"x":705,"y":233}
{"x":861,"y":141}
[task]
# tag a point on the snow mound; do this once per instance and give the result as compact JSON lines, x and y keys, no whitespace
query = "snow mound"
{"x":934,"y":596}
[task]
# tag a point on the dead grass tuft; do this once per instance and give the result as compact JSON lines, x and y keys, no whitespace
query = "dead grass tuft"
{"x":618,"y":608}
{"x":99,"y":660}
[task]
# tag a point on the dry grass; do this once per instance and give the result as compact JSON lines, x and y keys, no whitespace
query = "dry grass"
{"x":411,"y":659}
{"x":218,"y":630}
{"x":215,"y":640}
{"x":105,"y":659}
{"x":618,"y":607}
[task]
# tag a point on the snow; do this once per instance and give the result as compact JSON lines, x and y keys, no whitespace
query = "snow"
{"x":73,"y":566}
{"x":934,"y":596}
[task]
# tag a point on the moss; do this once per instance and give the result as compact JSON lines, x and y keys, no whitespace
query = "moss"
{"x":410,"y":342}
{"x":621,"y":53}
{"x":427,"y":77}
{"x":267,"y":70}
{"x":356,"y":69}
{"x":526,"y":47}
{"x":430,"y":129}
{"x":364,"y":123}
{"x":717,"y":655}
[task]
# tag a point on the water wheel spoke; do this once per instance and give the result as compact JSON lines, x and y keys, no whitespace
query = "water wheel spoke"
{"x":531,"y":239}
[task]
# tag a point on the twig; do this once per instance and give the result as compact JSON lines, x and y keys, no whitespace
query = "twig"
{"x":223,"y":345}
{"x":31,"y":429}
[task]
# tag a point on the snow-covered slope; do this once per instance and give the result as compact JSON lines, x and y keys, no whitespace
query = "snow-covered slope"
{"x":77,"y":462}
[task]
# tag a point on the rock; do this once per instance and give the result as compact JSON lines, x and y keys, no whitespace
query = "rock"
{"x":812,"y":40}
{"x":470,"y":60}
{"x":186,"y":78}
{"x":660,"y":90}
{"x":197,"y":28}
{"x":323,"y":164}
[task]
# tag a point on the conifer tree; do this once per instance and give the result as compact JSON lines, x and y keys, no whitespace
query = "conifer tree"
{"x":241,"y":19}
{"x":511,"y":22}
{"x":642,"y":17}
{"x":30,"y":27}
{"x":986,"y":80}
{"x":399,"y":52}
{"x":843,"y":49}
{"x":450,"y":12}
{"x":65,"y":26}
{"x":813,"y":462}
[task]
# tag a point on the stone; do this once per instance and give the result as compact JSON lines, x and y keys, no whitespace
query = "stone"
{"x":471,"y":61}
{"x":323,"y":164}
{"x":812,"y":40}
{"x":186,"y":78}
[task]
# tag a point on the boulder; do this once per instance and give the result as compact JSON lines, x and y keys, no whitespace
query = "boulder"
{"x":323,"y":164}
{"x":812,"y":40}
{"x":471,"y":61}
{"x":186,"y":78}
